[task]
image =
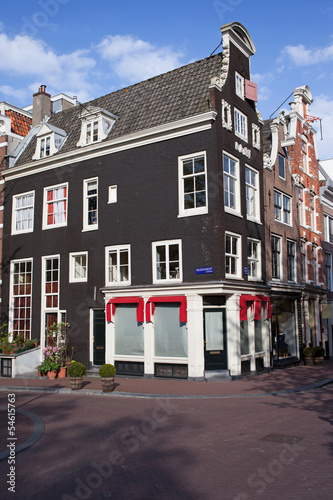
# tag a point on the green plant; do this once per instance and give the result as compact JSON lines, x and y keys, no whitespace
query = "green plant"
{"x":29,"y":344}
{"x":107,"y":371}
{"x":308,"y":352}
{"x":7,"y":348}
{"x":76,"y":370}
{"x":20,"y":340}
{"x":318,"y":351}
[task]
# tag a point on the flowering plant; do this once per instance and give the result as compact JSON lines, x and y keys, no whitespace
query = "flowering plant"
{"x":51,"y":359}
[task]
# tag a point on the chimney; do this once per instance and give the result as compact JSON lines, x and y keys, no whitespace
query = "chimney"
{"x":42,"y":106}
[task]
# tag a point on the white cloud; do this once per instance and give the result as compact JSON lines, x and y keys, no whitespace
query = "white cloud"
{"x":301,"y":56}
{"x":10,"y":91}
{"x":24,"y":56}
{"x":322,"y":107}
{"x":135,"y":60}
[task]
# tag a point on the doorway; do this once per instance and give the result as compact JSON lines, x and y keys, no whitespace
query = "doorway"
{"x":98,"y":337}
{"x":215,"y":339}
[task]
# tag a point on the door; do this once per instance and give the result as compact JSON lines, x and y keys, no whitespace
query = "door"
{"x":215,"y":339}
{"x":99,"y":337}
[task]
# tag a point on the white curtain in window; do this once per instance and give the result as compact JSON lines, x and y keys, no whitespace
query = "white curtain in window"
{"x":128,"y":332}
{"x":59,"y":207}
{"x":214,"y":330}
{"x":170,"y":334}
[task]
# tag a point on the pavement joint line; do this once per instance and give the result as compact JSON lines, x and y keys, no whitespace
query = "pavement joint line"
{"x":119,"y":394}
{"x":37,"y":433}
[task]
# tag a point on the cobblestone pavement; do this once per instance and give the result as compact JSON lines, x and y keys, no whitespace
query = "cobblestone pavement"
{"x":125,"y":448}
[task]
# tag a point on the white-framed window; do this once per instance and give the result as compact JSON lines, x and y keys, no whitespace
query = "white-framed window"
{"x":328,"y":270}
{"x":291,"y":260}
{"x":282,"y":169}
{"x":276,"y":257}
{"x":23,"y":212}
{"x":303,"y":262}
{"x":193,"y":184}
{"x":301,"y":206}
{"x":21,"y":297}
{"x":55,"y":206}
{"x":167,"y":261}
{"x":282,"y":207}
{"x":233,"y":252}
{"x":45,"y":146}
{"x":118,"y":265}
{"x":231,"y":184}
{"x":252,"y":194}
{"x":51,"y":282}
{"x":78,"y":267}
{"x":96,"y":124}
{"x":240,"y":124}
{"x":49,"y":140}
{"x":254,"y":259}
{"x":328,"y":228}
{"x":239,"y":83}
{"x":305,"y":161}
{"x":90,"y":204}
{"x":256,"y":136}
{"x":112,"y":194}
{"x":312,"y":212}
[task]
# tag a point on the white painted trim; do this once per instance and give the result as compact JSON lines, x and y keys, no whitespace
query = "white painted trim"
{"x":144,"y":137}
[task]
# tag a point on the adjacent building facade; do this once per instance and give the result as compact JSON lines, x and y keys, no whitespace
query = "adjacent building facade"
{"x":294,"y":230}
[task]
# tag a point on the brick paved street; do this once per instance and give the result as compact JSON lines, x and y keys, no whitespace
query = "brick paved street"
{"x":169,"y":449}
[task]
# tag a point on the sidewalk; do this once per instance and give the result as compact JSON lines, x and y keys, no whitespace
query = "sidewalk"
{"x":288,"y":380}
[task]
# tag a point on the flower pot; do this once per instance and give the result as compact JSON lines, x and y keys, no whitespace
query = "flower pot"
{"x":52,"y":375}
{"x":107,"y":384}
{"x":318,"y":360}
{"x":308,"y":360}
{"x":62,"y":372}
{"x":76,"y":383}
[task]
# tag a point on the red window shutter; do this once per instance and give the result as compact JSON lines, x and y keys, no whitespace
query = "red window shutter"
{"x":251,"y":91}
{"x":150,"y":306}
{"x":111,"y":307}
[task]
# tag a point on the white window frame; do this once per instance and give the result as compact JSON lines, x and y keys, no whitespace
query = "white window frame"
{"x":52,"y":293}
{"x":167,"y":244}
{"x":118,"y":281}
{"x":16,"y":210}
{"x":329,"y":255}
{"x":45,"y":146}
{"x":237,"y":257}
{"x":293,"y":279}
{"x":113,"y":195}
{"x":282,"y":158}
{"x":254,"y":189}
{"x":73,"y":265}
{"x":184,"y":212}
{"x":255,"y":260}
{"x":279,"y":263}
{"x":227,"y":177}
{"x":239,"y":85}
{"x":19,"y":295}
{"x":305,"y":155}
{"x":46,"y":203}
{"x":240,"y":124}
{"x":86,"y":197}
{"x":281,"y":214}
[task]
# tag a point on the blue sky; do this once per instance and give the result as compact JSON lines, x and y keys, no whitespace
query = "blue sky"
{"x":89,"y":49}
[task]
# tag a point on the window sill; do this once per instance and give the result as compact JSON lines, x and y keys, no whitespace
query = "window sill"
{"x":232,"y":211}
{"x":254,"y":219}
{"x":234,"y":277}
{"x":87,"y":229}
{"x":191,"y":212}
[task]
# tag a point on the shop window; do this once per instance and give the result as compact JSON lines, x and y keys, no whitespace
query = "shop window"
{"x":128,"y":331}
{"x":170,"y":333}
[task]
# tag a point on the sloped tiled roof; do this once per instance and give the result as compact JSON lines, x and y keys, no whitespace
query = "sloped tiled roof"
{"x":172,"y":96}
{"x":20,"y":124}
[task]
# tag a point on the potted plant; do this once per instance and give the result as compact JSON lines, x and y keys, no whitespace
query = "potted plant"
{"x":8,"y":348}
{"x":53,"y":369}
{"x":76,"y":371}
{"x":318,"y":355}
{"x":308,"y":356}
{"x":107,"y":373}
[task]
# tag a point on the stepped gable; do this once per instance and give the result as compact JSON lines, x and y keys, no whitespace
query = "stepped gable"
{"x":177,"y":94}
